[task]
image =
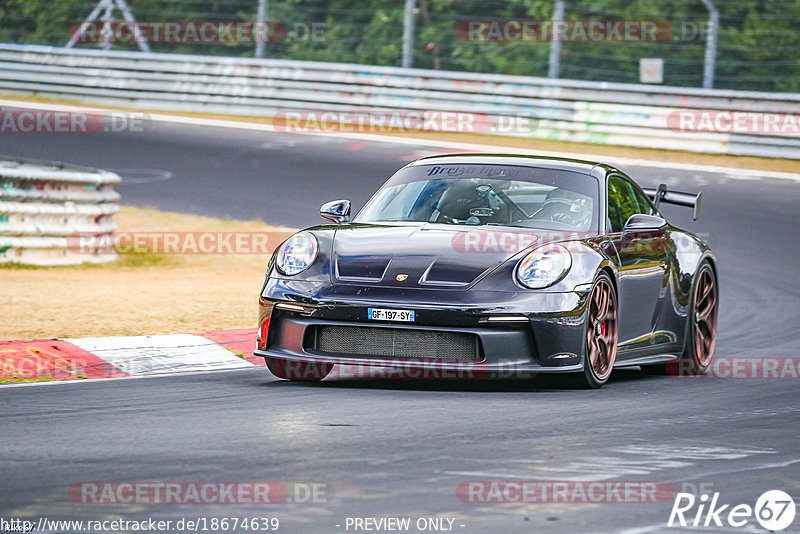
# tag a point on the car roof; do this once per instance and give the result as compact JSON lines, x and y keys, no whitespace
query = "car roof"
{"x":542,"y":162}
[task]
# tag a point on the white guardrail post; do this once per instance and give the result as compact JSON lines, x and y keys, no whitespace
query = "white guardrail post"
{"x":539,"y":108}
{"x":48,"y":210}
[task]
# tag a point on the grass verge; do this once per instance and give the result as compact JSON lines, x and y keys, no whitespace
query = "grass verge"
{"x":138,"y":294}
{"x":26,"y":380}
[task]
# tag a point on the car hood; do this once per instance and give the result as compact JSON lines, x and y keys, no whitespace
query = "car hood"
{"x":421,"y":255}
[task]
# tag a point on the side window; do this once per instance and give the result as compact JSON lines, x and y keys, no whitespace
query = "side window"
{"x":644,"y":202}
{"x":623,"y":201}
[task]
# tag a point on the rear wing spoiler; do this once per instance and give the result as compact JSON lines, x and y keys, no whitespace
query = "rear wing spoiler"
{"x":676,"y":197}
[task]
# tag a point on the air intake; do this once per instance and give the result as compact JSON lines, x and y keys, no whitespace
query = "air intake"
{"x":396,"y":343}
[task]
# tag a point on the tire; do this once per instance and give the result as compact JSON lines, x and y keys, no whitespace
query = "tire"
{"x":701,"y":328}
{"x":298,"y":371}
{"x":602,"y":329}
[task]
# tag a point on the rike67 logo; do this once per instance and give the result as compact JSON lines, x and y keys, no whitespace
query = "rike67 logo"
{"x":774,"y":510}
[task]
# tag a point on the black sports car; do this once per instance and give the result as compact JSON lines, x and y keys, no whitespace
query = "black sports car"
{"x":483,"y":265}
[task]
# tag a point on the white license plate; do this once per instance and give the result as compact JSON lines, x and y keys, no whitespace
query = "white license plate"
{"x":377,"y":314}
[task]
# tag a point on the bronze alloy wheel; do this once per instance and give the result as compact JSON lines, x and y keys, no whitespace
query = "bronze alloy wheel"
{"x":705,"y":316}
{"x":601,"y":329}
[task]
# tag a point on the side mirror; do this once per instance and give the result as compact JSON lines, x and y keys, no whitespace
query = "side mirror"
{"x":336,"y":211}
{"x":642,"y":222}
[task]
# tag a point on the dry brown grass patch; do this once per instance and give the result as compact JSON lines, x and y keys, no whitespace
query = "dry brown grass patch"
{"x":140,"y":293}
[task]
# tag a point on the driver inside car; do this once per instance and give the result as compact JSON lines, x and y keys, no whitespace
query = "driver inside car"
{"x":564,"y":207}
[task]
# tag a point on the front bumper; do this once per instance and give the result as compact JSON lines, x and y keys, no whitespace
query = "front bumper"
{"x":547,"y":335}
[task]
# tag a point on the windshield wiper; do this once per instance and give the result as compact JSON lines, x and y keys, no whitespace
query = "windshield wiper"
{"x":505,"y":224}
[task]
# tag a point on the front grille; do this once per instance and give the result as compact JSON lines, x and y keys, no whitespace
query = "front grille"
{"x":397,"y":343}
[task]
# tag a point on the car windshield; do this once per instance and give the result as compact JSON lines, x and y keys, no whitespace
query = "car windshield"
{"x":477,"y":195}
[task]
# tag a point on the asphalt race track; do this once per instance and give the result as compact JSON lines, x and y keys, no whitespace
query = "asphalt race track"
{"x":401,"y":448}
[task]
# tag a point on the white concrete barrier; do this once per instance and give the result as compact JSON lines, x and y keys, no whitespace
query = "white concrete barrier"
{"x":45,"y":207}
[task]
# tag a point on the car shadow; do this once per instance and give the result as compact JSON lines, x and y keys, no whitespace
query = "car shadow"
{"x":538,"y":383}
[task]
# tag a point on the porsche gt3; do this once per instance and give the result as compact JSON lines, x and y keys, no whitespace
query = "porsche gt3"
{"x":497,"y":264}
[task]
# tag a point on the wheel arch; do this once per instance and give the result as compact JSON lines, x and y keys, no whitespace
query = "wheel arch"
{"x":612,"y":275}
{"x":712,"y":261}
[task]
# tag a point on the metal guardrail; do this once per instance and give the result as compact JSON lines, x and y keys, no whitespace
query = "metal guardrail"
{"x":45,"y":209}
{"x":567,"y":110}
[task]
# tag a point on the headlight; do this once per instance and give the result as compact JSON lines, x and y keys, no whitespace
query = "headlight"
{"x":296,"y":254}
{"x":543,"y":267}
